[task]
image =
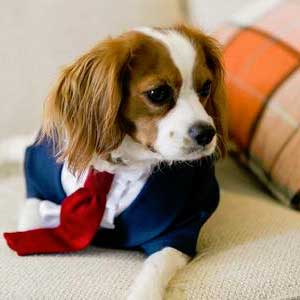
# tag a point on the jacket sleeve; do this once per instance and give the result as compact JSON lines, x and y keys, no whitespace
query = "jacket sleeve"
{"x":183,"y":234}
{"x":43,"y":173}
{"x":183,"y":238}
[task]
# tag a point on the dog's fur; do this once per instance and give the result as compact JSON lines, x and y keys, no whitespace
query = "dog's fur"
{"x":99,"y":114}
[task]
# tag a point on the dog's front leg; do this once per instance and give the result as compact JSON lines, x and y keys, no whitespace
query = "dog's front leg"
{"x":156,"y":273}
{"x":37,"y":213}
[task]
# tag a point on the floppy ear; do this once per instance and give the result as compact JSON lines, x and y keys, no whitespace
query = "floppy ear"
{"x":217,"y":104}
{"x":81,"y":112}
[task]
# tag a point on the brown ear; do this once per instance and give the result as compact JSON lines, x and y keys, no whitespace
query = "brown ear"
{"x":217,"y":104}
{"x":81,"y":112}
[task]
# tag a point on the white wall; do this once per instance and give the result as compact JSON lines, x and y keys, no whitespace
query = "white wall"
{"x":38,"y":36}
{"x":209,"y":13}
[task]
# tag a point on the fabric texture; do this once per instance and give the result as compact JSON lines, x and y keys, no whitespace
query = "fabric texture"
{"x":180,"y":198}
{"x":262,"y":62}
{"x":81,"y":214}
{"x":249,"y":249}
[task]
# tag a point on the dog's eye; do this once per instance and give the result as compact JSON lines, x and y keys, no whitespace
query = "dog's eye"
{"x":160,"y":95}
{"x":205,"y":89}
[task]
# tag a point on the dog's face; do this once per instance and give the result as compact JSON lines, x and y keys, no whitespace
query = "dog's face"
{"x":160,"y":89}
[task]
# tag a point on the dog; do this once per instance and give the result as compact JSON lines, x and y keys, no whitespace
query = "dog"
{"x":148,"y":107}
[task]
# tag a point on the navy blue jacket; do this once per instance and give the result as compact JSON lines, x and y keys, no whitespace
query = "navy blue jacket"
{"x":168,"y":212}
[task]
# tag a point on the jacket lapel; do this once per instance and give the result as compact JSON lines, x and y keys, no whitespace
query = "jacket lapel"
{"x":157,"y":205}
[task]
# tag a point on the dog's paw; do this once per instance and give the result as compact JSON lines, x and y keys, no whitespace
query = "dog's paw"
{"x":29,"y":217}
{"x":146,"y":293}
{"x":157,"y":271}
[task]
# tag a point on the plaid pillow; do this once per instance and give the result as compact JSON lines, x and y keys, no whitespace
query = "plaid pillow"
{"x":262,"y":59}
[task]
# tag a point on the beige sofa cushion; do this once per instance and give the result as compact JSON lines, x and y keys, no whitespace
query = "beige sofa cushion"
{"x":248,"y":250}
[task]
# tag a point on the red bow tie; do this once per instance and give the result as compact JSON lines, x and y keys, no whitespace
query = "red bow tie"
{"x":80,"y":217}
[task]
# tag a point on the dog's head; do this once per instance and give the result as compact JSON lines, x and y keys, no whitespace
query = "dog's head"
{"x":159,"y":90}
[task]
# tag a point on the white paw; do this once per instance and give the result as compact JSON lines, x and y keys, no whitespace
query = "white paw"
{"x":37,"y":213}
{"x":157,"y":271}
{"x":146,"y":293}
{"x":30,"y":217}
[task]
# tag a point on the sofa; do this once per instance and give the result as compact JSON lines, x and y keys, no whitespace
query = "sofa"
{"x":250,"y":247}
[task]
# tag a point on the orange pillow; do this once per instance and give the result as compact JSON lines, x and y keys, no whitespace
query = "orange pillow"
{"x":262,"y":59}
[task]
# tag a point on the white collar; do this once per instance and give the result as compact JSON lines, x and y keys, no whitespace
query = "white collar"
{"x":128,"y":173}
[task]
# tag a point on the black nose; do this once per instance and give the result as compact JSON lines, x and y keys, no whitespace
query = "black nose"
{"x":202,"y":133}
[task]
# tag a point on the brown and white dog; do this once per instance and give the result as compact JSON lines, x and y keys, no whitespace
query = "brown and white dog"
{"x":131,"y":102}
